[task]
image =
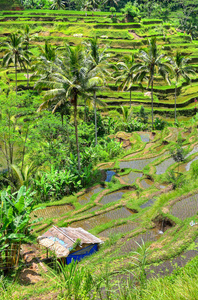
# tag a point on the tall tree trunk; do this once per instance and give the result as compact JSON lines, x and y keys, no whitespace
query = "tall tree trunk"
{"x":16,"y":77}
{"x":24,"y":148}
{"x":95,"y":118}
{"x":27,"y":77}
{"x":152,"y":100}
{"x":76,"y":130}
{"x":130,"y":97}
{"x":85,"y":111}
{"x":175,"y":102}
{"x":67,"y":130}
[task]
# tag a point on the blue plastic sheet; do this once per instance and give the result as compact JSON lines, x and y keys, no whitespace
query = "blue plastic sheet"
{"x":78,"y":255}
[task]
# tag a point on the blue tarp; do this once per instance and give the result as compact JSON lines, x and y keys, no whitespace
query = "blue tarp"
{"x":110,"y":174}
{"x":78,"y":255}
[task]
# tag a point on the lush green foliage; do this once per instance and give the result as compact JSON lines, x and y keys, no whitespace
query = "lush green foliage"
{"x":15,"y":213}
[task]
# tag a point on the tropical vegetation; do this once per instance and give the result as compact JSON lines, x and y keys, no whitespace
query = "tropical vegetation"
{"x":98,"y":129}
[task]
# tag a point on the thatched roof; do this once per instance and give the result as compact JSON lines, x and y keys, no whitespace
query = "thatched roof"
{"x":61,"y":239}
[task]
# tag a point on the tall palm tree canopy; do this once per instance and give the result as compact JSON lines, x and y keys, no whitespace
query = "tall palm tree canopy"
{"x":97,"y":58}
{"x":125,"y":72}
{"x":151,"y":63}
{"x":58,"y":4}
{"x":69,"y":79}
{"x":14,"y":52}
{"x":180,"y":69}
{"x":98,"y":66}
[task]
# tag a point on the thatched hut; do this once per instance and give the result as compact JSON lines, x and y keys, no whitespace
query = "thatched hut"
{"x":69,"y":243}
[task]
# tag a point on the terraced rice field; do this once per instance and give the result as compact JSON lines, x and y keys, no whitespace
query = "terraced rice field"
{"x":137,"y":206}
{"x":186,"y":208}
{"x":123,"y":38}
{"x":131,"y":200}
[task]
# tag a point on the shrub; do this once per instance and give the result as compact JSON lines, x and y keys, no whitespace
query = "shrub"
{"x":159,"y":124}
{"x":112,"y":9}
{"x":130,"y":11}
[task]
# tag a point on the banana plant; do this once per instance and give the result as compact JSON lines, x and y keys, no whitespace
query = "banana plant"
{"x":14,"y":223}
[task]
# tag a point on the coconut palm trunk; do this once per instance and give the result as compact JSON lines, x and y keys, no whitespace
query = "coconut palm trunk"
{"x":152,"y":100}
{"x":96,"y":129}
{"x":130,"y":98}
{"x":28,"y":77}
{"x":175,"y":101}
{"x":15,"y":65}
{"x":76,"y":129}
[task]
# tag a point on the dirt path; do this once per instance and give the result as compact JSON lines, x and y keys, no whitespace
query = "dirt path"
{"x":30,"y":274}
{"x":136,"y":37}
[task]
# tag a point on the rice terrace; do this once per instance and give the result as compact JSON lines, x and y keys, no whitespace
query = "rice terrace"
{"x":98,"y":149}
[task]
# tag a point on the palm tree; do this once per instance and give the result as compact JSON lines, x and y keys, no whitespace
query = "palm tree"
{"x":112,"y":2}
{"x":98,"y":64}
{"x":70,"y":78}
{"x":125,"y":73}
{"x":151,"y":63}
{"x":26,"y":40}
{"x":43,"y":64}
{"x":58,"y":4}
{"x":181,"y":69}
{"x":15,"y":54}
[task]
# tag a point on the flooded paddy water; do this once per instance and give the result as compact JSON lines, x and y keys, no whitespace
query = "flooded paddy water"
{"x":168,"y":266}
{"x":145,"y":137}
{"x":52,"y":211}
{"x":187,"y":166}
{"x":118,"y":229}
{"x":131,"y":177}
{"x":85,"y":198}
{"x":115,"y":196}
{"x":87,"y":224}
{"x":146,"y":183}
{"x":131,"y":244}
{"x":185,"y":208}
{"x":163,"y":166}
{"x":148,"y":203}
{"x":193,"y":151}
{"x":138,"y":164}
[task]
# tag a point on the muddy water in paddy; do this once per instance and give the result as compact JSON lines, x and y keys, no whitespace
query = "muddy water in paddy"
{"x":145,"y":137}
{"x":168,"y":266}
{"x":92,"y":222}
{"x":52,"y":211}
{"x":136,"y":164}
{"x":118,"y":229}
{"x":131,"y":177}
{"x":187,"y":167}
{"x":131,"y":245}
{"x":193,"y":151}
{"x":146,"y":183}
{"x":163,"y":166}
{"x":88,"y":211}
{"x":159,"y":148}
{"x":185,"y":208}
{"x":112,"y":197}
{"x":85,"y":198}
{"x":148,"y":203}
